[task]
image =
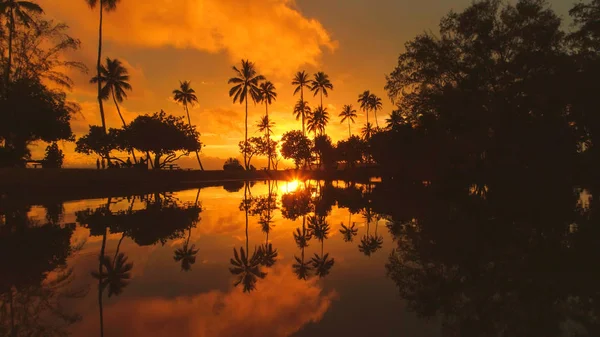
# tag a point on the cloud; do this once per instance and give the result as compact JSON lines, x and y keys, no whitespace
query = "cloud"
{"x":272,"y":33}
{"x":279,"y":307}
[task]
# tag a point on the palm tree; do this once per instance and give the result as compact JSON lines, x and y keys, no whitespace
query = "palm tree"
{"x":366,"y":131}
{"x":265,"y":125}
{"x":365,"y":102}
{"x":187,"y":96}
{"x":22,"y":10}
{"x":320,"y":84}
{"x":248,"y":268}
{"x":246,"y":82}
{"x":267,"y":96}
{"x":348,"y":114}
{"x":301,"y":81}
{"x":375,"y":105}
{"x":302,"y":268}
{"x":322,"y":264}
{"x":318,"y":120}
{"x":186,"y":254}
{"x":108,"y":5}
{"x":302,"y":111}
{"x":115,"y":80}
{"x":395,"y":120}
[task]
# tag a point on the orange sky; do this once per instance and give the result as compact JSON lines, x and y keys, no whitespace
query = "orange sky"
{"x":162,"y":42}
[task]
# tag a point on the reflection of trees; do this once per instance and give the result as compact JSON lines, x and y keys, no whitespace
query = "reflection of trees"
{"x":320,"y":229}
{"x":187,"y":254}
{"x":114,"y":275}
{"x":247,"y":267}
{"x":34,"y":275}
{"x":369,"y":244}
{"x":350,"y":231}
{"x":521,"y":260}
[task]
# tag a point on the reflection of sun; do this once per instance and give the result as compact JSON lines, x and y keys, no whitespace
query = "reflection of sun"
{"x":291,"y":186}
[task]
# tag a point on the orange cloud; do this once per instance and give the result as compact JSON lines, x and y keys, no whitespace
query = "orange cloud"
{"x":279,"y":307}
{"x":272,"y":33}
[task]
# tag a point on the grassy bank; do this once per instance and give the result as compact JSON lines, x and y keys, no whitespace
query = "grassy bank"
{"x":71,"y":184}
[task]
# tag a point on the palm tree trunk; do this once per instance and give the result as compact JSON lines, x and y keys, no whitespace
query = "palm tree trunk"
{"x":100,"y":281}
{"x":190,"y":123}
{"x":98,"y":68}
{"x":11,"y":32}
{"x":268,"y":138}
{"x":246,"y":209}
{"x":122,"y":120}
{"x":303,"y":108}
{"x":376,"y":121}
{"x":322,"y":244}
{"x":246,"y":139}
{"x":349,"y":133}
{"x":118,"y":247}
{"x":321,"y":99}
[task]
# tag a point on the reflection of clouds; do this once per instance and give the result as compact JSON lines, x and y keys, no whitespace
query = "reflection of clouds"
{"x":280,"y":306}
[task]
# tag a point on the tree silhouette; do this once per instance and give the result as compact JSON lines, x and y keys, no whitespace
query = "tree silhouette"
{"x":21,"y":10}
{"x":375,"y":105}
{"x":318,"y":120}
{"x":320,"y":84}
{"x":367,"y":131}
{"x":300,"y":81}
{"x":302,"y":111}
{"x":103,"y":5}
{"x":349,"y":232}
{"x":295,"y":146}
{"x":245,"y":83}
{"x":186,"y":254}
{"x":348,"y":114}
{"x":267,"y":96}
{"x":394,"y":121}
{"x":187,"y":96}
{"x":364,"y":100}
{"x":115,"y":274}
{"x":320,"y":230}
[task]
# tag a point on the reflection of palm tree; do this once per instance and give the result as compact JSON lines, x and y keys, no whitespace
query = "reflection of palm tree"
{"x":349,"y":232}
{"x":269,"y":255}
{"x":187,"y":96}
{"x":186,"y":254}
{"x":117,"y":274}
{"x":302,"y":268}
{"x":369,"y":244}
{"x":248,"y":268}
{"x":322,"y":264}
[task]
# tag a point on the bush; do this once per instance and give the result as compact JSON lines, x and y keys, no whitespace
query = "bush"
{"x":232,"y":164}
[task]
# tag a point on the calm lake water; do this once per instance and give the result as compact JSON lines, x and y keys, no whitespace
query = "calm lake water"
{"x":275,"y":259}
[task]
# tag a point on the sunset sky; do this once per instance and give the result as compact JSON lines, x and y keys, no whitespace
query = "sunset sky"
{"x":356,"y":42}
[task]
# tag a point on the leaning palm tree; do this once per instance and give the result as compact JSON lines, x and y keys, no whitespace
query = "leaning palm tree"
{"x":187,"y":96}
{"x":394,"y":121}
{"x":267,"y":96}
{"x":104,"y":5}
{"x":365,"y":102}
{"x":318,"y":120}
{"x":348,"y":114}
{"x":115,"y":80}
{"x":301,"y":81}
{"x":320,"y":84}
{"x":375,"y":105}
{"x":245,"y":83}
{"x":21,"y":10}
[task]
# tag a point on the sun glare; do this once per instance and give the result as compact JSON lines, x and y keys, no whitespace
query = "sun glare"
{"x":291,"y":186}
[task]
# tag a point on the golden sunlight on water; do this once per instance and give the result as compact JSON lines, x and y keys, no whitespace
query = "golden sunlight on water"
{"x":171,"y":293}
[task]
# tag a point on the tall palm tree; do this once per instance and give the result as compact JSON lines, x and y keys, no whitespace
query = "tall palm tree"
{"x":365,"y":102}
{"x":21,"y":10}
{"x":348,"y":114}
{"x":104,"y":5}
{"x":395,"y":120}
{"x":268,"y":96}
{"x":318,"y":120}
{"x":301,"y":111}
{"x":367,"y":131}
{"x":301,"y":81}
{"x":187,"y":96}
{"x":375,"y":104}
{"x":245,"y":83}
{"x":320,"y":84}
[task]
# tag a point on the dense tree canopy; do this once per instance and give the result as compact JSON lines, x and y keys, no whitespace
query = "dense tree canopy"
{"x":295,"y":146}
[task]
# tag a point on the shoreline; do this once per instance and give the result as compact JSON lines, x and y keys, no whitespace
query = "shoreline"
{"x":39,"y":185}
